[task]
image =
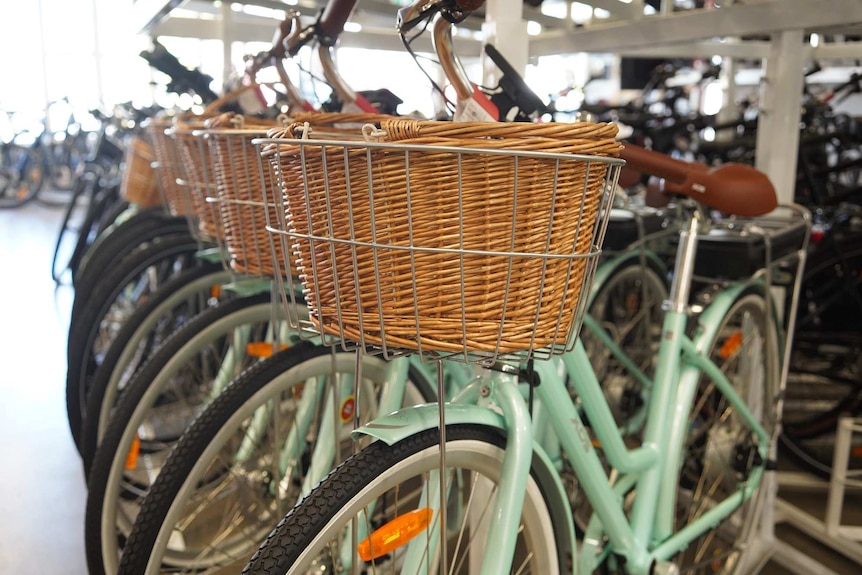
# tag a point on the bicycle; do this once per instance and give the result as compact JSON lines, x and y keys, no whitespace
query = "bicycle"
{"x":633,"y":522}
{"x":221,"y":438}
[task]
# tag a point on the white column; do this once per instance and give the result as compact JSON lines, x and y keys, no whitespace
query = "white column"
{"x":505,"y":28}
{"x":728,"y":111}
{"x":778,"y":124}
{"x":227,"y":36}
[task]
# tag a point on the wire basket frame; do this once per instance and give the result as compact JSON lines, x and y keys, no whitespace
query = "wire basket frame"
{"x":468,"y":253}
{"x":189,"y":137}
{"x":242,"y":185}
{"x":170,"y":169}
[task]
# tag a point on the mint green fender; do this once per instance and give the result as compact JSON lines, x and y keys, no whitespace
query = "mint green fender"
{"x":710,"y":320}
{"x":411,"y":420}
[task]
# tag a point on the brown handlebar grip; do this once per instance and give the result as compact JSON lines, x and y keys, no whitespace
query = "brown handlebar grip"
{"x":335,"y":15}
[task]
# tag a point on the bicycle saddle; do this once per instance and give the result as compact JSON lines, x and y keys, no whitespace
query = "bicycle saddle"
{"x":731,"y":188}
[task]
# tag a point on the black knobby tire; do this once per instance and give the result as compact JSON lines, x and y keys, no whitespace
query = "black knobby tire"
{"x":84,"y":328}
{"x":123,"y":239}
{"x":110,"y":215}
{"x":296,"y":532}
{"x":103,"y":374}
{"x":123,"y":413}
{"x":200,"y":435}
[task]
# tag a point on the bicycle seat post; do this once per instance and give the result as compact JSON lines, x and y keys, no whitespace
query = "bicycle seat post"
{"x":685,"y":257}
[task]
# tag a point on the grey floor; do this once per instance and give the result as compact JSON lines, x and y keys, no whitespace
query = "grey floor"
{"x":42,"y":491}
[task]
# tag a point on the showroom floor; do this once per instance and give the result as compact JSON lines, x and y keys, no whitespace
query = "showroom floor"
{"x":42,"y":490}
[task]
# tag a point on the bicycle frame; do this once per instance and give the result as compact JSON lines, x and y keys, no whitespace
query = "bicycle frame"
{"x":649,"y":536}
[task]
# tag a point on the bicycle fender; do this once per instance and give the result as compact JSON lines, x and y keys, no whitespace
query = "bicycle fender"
{"x":710,"y":320}
{"x":608,"y":268}
{"x":409,"y":421}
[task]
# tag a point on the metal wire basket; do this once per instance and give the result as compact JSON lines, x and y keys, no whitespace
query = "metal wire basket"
{"x":170,"y":170}
{"x":189,"y":137}
{"x":242,"y":188}
{"x":465,"y":241}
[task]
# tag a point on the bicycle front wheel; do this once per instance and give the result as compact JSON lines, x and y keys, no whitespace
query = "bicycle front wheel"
{"x":363,"y":497}
{"x":245,"y":461}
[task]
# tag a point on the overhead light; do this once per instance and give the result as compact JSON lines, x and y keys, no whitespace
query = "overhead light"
{"x":534,"y":28}
{"x":815,"y":40}
{"x":352,"y":27}
{"x":601,"y":13}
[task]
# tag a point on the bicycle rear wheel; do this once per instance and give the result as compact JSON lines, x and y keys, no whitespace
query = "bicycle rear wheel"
{"x":721,"y":450}
{"x":384,"y":482}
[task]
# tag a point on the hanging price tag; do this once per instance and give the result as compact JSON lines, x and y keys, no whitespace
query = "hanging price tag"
{"x":252,"y":102}
{"x":478,"y":108}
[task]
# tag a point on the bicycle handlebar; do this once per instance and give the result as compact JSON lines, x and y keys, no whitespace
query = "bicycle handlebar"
{"x":335,"y":15}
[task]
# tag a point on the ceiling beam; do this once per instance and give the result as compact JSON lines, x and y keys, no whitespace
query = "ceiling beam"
{"x":753,"y":17}
{"x":145,"y":14}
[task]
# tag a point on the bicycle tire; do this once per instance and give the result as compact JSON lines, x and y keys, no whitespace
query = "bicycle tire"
{"x":81,"y":363}
{"x":109,"y":480}
{"x":199,"y":460}
{"x":718,"y":441}
{"x":117,"y":241}
{"x":319,"y":516}
{"x":114,"y":211}
{"x":144,"y":331}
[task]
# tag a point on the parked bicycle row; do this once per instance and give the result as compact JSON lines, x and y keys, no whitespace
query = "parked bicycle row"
{"x":254,"y":363}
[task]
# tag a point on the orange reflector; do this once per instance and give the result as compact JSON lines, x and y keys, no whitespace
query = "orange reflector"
{"x":261,"y":349}
{"x":215,"y":291}
{"x":857,"y":451}
{"x":394,"y":534}
{"x":134,"y":451}
{"x":730,"y":345}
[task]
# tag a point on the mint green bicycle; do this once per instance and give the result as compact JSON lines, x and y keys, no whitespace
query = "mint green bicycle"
{"x":518,"y":459}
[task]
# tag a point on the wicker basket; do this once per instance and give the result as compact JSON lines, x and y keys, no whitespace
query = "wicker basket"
{"x":139,"y":185}
{"x":242,"y":185}
{"x":460,"y":241}
{"x":170,"y":168}
{"x":188,"y":135}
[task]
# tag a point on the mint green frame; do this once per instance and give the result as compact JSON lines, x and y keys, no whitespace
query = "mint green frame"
{"x":649,"y":536}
